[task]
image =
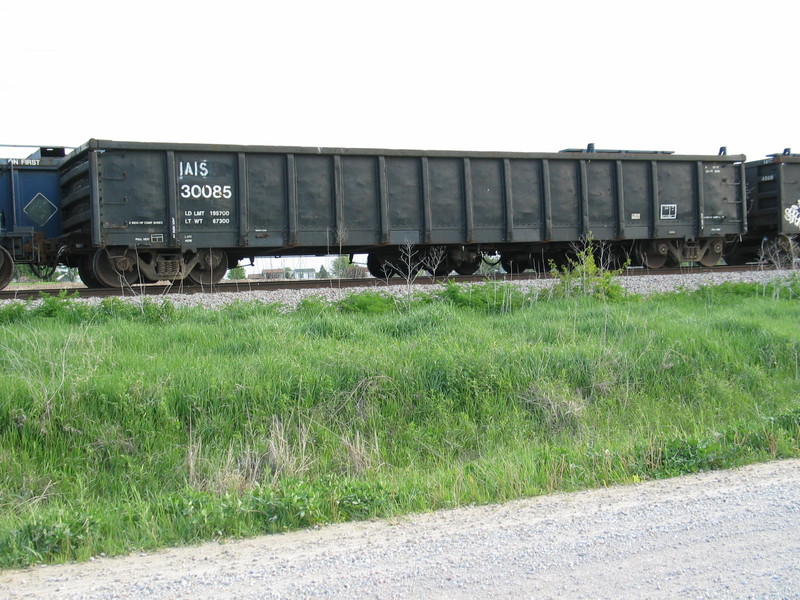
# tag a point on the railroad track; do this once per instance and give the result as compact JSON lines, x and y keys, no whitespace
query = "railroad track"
{"x":183,"y":287}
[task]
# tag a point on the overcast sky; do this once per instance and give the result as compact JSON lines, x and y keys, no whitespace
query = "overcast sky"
{"x":688,"y":76}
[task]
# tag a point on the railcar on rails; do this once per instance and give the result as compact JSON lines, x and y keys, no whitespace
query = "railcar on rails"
{"x":126,"y":212}
{"x":30,"y":216}
{"x":773,"y":219}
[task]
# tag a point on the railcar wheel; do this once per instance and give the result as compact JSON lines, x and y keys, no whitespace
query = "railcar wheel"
{"x":405,"y":262}
{"x":654,"y":255}
{"x":404,"y":270}
{"x":713,"y":254}
{"x":211,"y":269}
{"x":652,"y":261}
{"x":115,"y":267}
{"x":86,"y":272}
{"x":469,"y":268}
{"x":442,"y":269}
{"x":435,"y":261}
{"x":376,"y":265}
{"x":6,"y":267}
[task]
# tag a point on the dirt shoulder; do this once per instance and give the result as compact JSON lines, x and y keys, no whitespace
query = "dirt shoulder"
{"x":721,"y":534}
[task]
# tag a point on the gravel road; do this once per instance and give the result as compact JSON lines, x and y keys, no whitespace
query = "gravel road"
{"x":723,"y":534}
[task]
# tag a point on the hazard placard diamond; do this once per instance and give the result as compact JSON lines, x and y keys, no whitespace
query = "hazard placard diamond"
{"x":40,"y":209}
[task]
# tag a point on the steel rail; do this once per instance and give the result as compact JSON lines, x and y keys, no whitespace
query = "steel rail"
{"x":183,"y":287}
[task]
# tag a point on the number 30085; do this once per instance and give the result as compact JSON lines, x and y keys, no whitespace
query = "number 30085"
{"x":195,"y":192}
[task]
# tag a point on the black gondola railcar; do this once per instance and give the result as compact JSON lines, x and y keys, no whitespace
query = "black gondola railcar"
{"x":160,"y":211}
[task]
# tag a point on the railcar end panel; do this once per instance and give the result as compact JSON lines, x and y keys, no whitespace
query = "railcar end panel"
{"x":130,"y":198}
{"x":790,"y":196}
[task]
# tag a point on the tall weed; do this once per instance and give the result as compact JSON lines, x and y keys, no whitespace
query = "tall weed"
{"x":585,"y":275}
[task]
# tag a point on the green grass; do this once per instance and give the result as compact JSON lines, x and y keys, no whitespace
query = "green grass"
{"x":134,"y":427}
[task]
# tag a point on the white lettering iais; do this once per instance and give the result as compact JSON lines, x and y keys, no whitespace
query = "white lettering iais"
{"x":196,"y":168}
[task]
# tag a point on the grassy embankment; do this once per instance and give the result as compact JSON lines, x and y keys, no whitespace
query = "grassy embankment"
{"x":126,"y":427}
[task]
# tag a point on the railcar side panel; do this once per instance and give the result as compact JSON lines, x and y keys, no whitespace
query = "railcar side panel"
{"x":722,"y":200}
{"x":529,"y":192}
{"x":407,"y":223}
{"x":636,"y":191}
{"x":675,"y":212}
{"x":447,"y":200}
{"x":360,"y":189}
{"x":566,"y":201}
{"x":488,"y":200}
{"x":267,"y":184}
{"x":602,"y":194}
{"x":207,"y":198}
{"x":315,"y":203}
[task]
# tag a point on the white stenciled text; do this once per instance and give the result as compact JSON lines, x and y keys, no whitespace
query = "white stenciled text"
{"x":196,"y":168}
{"x":196,"y":191}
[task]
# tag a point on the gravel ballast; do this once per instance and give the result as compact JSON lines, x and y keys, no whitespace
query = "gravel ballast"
{"x":642,"y":284}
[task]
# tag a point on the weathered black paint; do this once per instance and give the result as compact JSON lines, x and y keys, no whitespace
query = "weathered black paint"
{"x":280,"y":200}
